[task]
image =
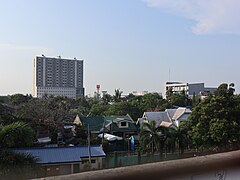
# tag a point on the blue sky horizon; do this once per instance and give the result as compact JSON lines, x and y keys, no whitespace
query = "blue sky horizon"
{"x":131,"y":45}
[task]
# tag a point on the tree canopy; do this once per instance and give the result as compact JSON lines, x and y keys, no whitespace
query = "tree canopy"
{"x":215,"y":121}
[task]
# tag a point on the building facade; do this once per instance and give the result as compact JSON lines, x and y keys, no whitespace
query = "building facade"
{"x":57,"y":77}
{"x":55,"y":161}
{"x":190,"y":89}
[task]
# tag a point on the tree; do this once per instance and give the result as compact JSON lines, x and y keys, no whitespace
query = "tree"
{"x":17,"y":165}
{"x":17,"y":134}
{"x":12,"y":164}
{"x":17,"y":99}
{"x":177,"y":137}
{"x":153,"y":102}
{"x":123,"y":108}
{"x":215,"y":121}
{"x":99,"y":109}
{"x":152,"y":137}
{"x":176,"y":99}
{"x":82,"y":106}
{"x":107,"y":98}
{"x":7,"y":114}
{"x":225,"y":90}
{"x":117,"y":96}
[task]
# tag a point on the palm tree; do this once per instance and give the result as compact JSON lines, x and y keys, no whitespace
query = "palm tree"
{"x":178,"y":138}
{"x":117,"y":96}
{"x":152,"y":136}
{"x":16,"y":134}
{"x":14,"y":164}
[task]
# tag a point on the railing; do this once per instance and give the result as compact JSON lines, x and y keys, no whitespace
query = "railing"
{"x":213,"y":166}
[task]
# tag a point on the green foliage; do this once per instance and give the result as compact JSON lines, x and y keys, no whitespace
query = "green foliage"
{"x":123,"y":108}
{"x":17,"y":134}
{"x":17,"y":99}
{"x":17,"y":165}
{"x":117,"y":96}
{"x":99,"y":109}
{"x":215,"y":121}
{"x":225,"y":90}
{"x":153,"y":101}
{"x":107,"y":98}
{"x":178,"y":100}
{"x":177,"y":138}
{"x":5,"y":99}
{"x":12,"y":164}
{"x":152,"y":137}
{"x":6,"y":114}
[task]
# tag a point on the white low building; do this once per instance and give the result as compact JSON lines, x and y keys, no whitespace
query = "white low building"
{"x":190,"y":89}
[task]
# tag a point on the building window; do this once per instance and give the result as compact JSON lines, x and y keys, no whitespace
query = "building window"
{"x":84,"y":161}
{"x":123,"y":124}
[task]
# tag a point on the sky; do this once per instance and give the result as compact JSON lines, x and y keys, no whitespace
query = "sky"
{"x":134,"y":45}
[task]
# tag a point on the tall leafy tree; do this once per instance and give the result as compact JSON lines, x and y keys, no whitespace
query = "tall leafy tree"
{"x":123,"y":108}
{"x":18,"y":99}
{"x":215,"y":121}
{"x":98,"y":109}
{"x":153,"y":102}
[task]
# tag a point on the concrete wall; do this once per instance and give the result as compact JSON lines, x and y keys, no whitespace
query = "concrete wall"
{"x":218,"y":166}
{"x":96,"y":164}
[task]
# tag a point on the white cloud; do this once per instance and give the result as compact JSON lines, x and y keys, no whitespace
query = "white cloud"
{"x":211,"y":16}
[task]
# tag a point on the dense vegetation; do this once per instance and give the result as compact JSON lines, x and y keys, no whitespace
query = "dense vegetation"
{"x":12,"y":164}
{"x":214,"y":122}
{"x":52,"y":111}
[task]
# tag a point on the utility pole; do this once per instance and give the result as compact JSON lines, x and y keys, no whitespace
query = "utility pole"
{"x":89,"y":147}
{"x":103,"y":131}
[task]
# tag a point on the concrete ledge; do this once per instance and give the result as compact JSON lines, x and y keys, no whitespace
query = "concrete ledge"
{"x":163,"y":170}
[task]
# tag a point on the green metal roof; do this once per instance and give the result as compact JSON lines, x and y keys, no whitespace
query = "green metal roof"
{"x":96,"y":123}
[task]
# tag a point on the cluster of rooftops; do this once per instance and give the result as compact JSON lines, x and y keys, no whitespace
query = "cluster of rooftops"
{"x":111,"y":128}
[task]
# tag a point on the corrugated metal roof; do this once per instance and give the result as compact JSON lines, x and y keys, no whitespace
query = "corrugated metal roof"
{"x":95,"y":122}
{"x":158,"y":117}
{"x":62,"y":154}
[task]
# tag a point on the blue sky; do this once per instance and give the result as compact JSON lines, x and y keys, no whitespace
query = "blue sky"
{"x":126,"y":44}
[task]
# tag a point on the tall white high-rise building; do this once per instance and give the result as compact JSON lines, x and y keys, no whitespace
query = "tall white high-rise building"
{"x":57,"y":77}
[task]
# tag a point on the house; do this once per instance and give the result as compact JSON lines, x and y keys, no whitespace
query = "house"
{"x":167,"y":118}
{"x":181,"y":114}
{"x":65,"y":160}
{"x":122,"y":126}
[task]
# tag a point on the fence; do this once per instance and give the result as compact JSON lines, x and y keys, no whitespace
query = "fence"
{"x":125,"y":159}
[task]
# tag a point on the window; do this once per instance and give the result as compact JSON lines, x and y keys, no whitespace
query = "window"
{"x":93,"y":161}
{"x":123,"y":124}
{"x":84,"y":161}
